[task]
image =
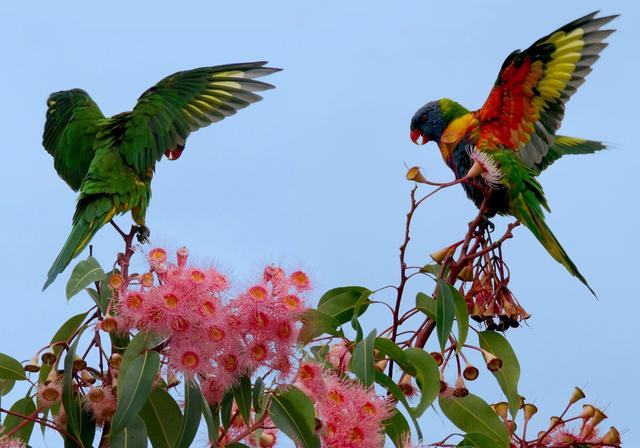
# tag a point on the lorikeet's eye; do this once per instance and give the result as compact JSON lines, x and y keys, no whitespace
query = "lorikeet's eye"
{"x":423,"y":119}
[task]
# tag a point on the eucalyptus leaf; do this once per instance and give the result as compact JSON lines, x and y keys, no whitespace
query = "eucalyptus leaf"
{"x":362,"y":362}
{"x":427,"y":376}
{"x":161,"y":415}
{"x":397,"y":428}
{"x":24,"y":406}
{"x":133,"y":435}
{"x":192,"y":412}
{"x":427,"y":305}
{"x":84,"y":274}
{"x":10,"y":368}
{"x":340,"y":303}
{"x":509,"y":375}
{"x":293,"y":413}
{"x":444,"y":313}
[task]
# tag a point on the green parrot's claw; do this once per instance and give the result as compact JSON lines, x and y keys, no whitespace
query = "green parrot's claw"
{"x":142,"y":234}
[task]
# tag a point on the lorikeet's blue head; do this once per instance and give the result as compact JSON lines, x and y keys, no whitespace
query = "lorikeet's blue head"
{"x":430,"y":121}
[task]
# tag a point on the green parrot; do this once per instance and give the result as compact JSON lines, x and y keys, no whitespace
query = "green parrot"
{"x":111,"y":161}
{"x":500,"y":149}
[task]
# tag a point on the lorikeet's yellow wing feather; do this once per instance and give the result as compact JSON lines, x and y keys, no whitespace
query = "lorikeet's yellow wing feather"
{"x":526,"y":105}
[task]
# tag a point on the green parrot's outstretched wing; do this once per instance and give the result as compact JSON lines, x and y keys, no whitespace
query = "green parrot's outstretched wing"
{"x":526,"y":105}
{"x":181,"y":103}
{"x":73,"y":120}
{"x":568,"y":145}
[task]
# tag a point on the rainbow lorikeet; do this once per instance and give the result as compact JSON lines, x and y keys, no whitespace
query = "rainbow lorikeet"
{"x":500,"y":149}
{"x":111,"y":161}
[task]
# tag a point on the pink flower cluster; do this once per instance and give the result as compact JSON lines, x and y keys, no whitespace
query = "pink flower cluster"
{"x":11,"y":442}
{"x":217,"y":341}
{"x":566,"y":436}
{"x":351,"y":416}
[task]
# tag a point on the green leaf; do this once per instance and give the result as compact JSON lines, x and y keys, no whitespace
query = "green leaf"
{"x":340,"y":303}
{"x":192,"y":413}
{"x":236,"y":445}
{"x":363,"y":300}
{"x":72,"y":408}
{"x":473,"y":415}
{"x":292,"y":411}
{"x":444,"y":314}
{"x":85,"y":273}
{"x":133,"y":435}
{"x":258,"y":397}
{"x":477,"y":440}
{"x":103,"y":297}
{"x":211,"y":416}
{"x":11,"y":369}
{"x":397,"y":428}
{"x":427,"y":377}
{"x":388,"y":348}
{"x":226,"y":405}
{"x":462,"y":316}
{"x":242,"y":394}
{"x":87,"y":427}
{"x":433,"y":269}
{"x":386,"y":382}
{"x":427,"y":305}
{"x":509,"y":375}
{"x":140,"y":342}
{"x":133,"y":389}
{"x":316,"y":323}
{"x":161,"y":415}
{"x":362,"y":362}
{"x":6,"y":386}
{"x":24,"y":406}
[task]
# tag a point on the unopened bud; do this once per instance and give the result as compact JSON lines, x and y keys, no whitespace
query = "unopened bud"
{"x":577,"y":395}
{"x":493,"y":363}
{"x":146,"y":280}
{"x":267,"y":440}
{"x":511,"y":426}
{"x":501,"y":409}
{"x":587,"y":411}
{"x":52,"y":377}
{"x":109,"y":324}
{"x":460,"y":389}
{"x":529,"y":411}
{"x":440,"y":255}
{"x":79,"y":363}
{"x":470,"y":373}
{"x":381,"y":365}
{"x":114,"y":361}
{"x":116,"y":281}
{"x":612,"y":437}
{"x":437,"y":357}
{"x":32,"y":366}
{"x":48,"y":357}
{"x":466,"y":273}
{"x":598,"y":416}
{"x":415,"y":175}
{"x":406,"y":386}
{"x":182,"y":255}
{"x":443,"y":386}
{"x":555,"y":421}
{"x":87,"y":377}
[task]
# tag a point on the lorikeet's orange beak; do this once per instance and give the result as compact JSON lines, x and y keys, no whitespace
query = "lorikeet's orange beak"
{"x":415,"y":137}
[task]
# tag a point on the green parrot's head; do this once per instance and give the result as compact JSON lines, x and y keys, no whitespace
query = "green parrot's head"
{"x":430,"y":121}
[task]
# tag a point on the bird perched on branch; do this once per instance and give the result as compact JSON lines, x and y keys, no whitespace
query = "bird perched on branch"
{"x":500,"y":149}
{"x":111,"y":161}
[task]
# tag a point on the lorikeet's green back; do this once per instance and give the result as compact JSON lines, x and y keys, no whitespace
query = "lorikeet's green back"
{"x":512,"y":137}
{"x":111,"y":160}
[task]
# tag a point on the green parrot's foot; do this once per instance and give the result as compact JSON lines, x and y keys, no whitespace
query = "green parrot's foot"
{"x":486,"y":226}
{"x":142,"y":234}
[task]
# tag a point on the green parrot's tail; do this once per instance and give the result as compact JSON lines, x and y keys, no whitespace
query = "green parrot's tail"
{"x":533,"y":219}
{"x":563,"y":146}
{"x":81,"y":234}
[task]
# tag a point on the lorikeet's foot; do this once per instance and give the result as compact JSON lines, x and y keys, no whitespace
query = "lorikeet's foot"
{"x":142,"y":234}
{"x":485,"y":225}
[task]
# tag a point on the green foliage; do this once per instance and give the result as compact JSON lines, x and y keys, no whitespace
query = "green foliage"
{"x":10,"y":369}
{"x":396,"y":427}
{"x":509,"y":375}
{"x":293,"y":413}
{"x":427,"y":305}
{"x":24,"y":406}
{"x":84,"y":274}
{"x":133,"y":389}
{"x":242,"y":395}
{"x":427,"y":376}
{"x":192,"y":411}
{"x":362,"y":362}
{"x":341,"y":303}
{"x":445,"y":311}
{"x":473,"y":415}
{"x":161,"y":415}
{"x":133,"y":435}
{"x":316,"y":323}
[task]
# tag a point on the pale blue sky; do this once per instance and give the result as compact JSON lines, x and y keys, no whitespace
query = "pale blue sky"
{"x":313,"y":176}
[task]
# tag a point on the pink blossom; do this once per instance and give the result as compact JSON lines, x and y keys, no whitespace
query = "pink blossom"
{"x":339,"y":356}
{"x":101,"y":402}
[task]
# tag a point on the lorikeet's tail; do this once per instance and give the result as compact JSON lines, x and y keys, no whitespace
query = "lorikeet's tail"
{"x":563,"y":146}
{"x":81,"y":233}
{"x":530,"y":214}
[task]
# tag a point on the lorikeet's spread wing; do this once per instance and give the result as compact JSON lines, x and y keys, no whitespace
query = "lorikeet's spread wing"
{"x":168,"y":112}
{"x":73,"y":120}
{"x":526,"y":105}
{"x":567,"y":145}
